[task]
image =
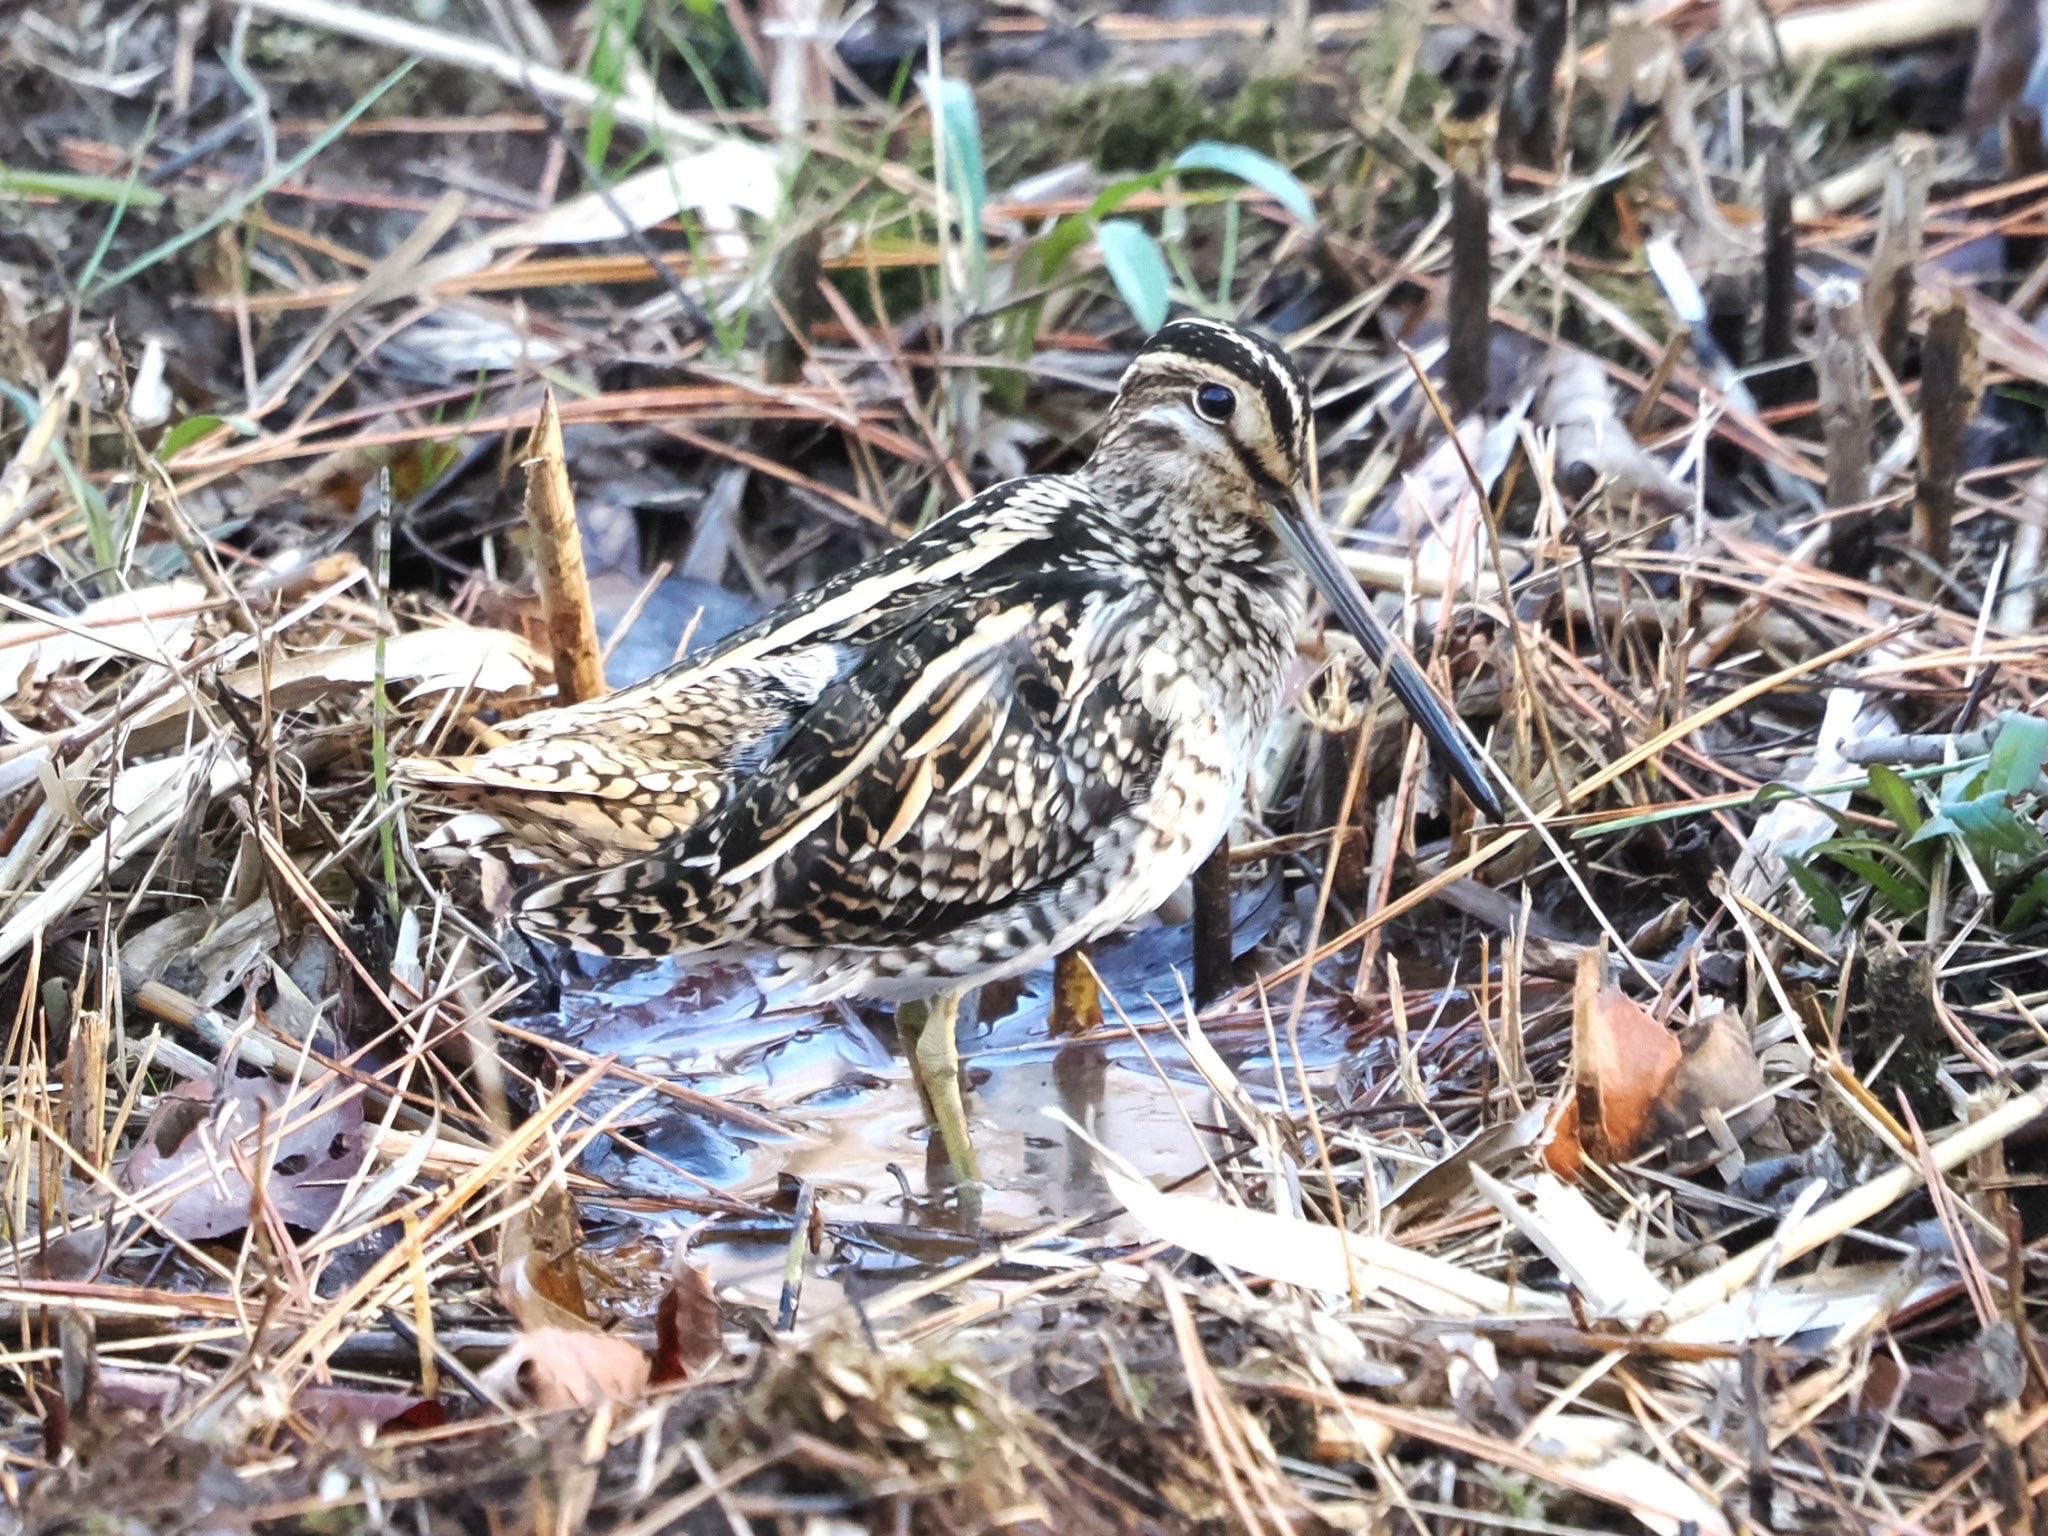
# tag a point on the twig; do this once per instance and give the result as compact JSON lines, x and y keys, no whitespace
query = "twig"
{"x":1923,"y":748}
{"x":35,"y":446}
{"x":1819,"y":33}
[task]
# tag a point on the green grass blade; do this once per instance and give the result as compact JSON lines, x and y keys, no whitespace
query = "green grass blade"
{"x":16,"y":184}
{"x":235,"y":206}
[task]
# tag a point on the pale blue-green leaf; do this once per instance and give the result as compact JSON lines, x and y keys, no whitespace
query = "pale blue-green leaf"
{"x":952,"y":106}
{"x":1989,"y":826}
{"x":2017,"y":755}
{"x":1248,"y":165}
{"x":1137,"y":268}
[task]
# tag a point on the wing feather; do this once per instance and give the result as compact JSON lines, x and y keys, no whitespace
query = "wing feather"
{"x":953,"y":769}
{"x":621,"y":775}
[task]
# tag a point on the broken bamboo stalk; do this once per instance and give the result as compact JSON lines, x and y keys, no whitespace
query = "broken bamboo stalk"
{"x":1901,"y":226}
{"x":1470,"y":134}
{"x":558,"y":559}
{"x":1781,"y":270}
{"x":1842,"y":370}
{"x":1950,"y":383}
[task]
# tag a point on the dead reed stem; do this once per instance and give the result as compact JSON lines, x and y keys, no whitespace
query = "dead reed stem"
{"x":1950,"y":383}
{"x":558,"y":560}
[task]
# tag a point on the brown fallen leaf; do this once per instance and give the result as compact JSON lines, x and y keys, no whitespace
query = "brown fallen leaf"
{"x":540,"y":1277}
{"x":1718,"y":1070}
{"x":561,"y":1358}
{"x":552,"y":1368}
{"x":1622,"y":1061}
{"x":190,"y":1167}
{"x":689,"y":1334}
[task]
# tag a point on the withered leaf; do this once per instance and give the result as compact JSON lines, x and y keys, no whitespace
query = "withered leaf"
{"x":202,"y":1140}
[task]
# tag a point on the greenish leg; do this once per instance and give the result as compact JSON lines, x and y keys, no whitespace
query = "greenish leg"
{"x":935,"y":1063}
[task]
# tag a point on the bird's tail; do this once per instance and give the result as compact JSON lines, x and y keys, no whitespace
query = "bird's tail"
{"x":642,"y":908}
{"x":591,"y":803}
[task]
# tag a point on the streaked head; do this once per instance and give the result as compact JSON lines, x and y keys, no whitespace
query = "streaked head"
{"x":1212,"y":392}
{"x":1235,"y":405}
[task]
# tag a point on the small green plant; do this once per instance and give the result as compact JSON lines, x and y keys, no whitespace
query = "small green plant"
{"x":1139,"y":265}
{"x":1135,"y":260}
{"x":1988,"y":813}
{"x":611,"y":51}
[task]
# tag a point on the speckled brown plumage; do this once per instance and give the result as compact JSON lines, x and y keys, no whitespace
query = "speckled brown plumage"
{"x":1015,"y":732}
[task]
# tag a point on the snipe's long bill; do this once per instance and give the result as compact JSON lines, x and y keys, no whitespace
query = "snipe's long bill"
{"x":1012,"y":734}
{"x":1301,"y":529}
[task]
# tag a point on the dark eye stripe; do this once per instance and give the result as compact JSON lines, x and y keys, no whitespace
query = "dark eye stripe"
{"x":1252,"y":358}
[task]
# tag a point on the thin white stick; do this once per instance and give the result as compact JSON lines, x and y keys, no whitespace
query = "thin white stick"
{"x":641,"y":110}
{"x":1823,"y":1225}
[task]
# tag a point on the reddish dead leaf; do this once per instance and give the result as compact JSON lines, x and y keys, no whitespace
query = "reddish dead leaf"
{"x":1565,"y":1153}
{"x":1622,"y":1061}
{"x":688,"y":1332}
{"x":203,"y":1137}
{"x":325,"y":1408}
{"x":334,"y":1408}
{"x":1718,"y":1071}
{"x":1952,"y":1390}
{"x":539,"y":1262}
{"x":553,"y":1368}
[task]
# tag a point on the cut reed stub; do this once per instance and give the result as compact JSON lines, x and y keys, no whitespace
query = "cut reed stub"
{"x":558,"y":562}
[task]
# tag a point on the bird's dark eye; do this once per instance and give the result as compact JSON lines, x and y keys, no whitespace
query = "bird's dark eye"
{"x":1214,"y":402}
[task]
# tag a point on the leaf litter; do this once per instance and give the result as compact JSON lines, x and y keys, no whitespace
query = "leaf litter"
{"x":1664,"y":1159}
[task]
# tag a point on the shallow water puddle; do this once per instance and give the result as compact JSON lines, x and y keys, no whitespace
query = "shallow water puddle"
{"x":834,"y":1074}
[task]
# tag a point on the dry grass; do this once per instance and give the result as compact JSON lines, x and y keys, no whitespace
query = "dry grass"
{"x":323,"y":1210}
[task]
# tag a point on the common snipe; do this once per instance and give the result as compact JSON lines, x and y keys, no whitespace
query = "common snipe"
{"x":1011,"y":734}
